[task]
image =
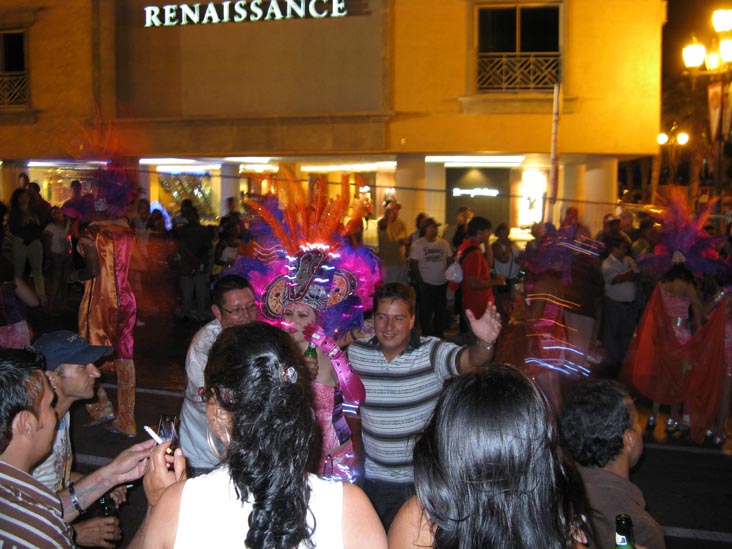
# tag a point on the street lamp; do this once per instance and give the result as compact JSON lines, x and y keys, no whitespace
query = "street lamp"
{"x":670,"y":142}
{"x":717,"y":63}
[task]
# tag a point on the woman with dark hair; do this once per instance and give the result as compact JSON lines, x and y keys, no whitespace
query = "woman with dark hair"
{"x":488,"y":471}
{"x":259,"y":413}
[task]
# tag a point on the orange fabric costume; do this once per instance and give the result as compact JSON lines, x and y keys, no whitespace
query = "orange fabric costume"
{"x":107,"y":316}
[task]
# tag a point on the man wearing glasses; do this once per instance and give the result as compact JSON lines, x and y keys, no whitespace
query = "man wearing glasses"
{"x":233,"y":305}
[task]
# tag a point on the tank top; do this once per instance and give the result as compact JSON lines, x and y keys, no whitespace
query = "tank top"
{"x":211,"y":515}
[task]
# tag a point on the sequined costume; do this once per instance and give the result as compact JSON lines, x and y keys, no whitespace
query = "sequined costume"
{"x":107,"y":316}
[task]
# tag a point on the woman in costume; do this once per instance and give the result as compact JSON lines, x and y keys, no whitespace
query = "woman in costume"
{"x":260,"y":417}
{"x":488,"y":471}
{"x":675,"y":356}
{"x":317,"y":292}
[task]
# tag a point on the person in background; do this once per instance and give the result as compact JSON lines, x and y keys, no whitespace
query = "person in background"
{"x":234,"y":304}
{"x":600,"y":428}
{"x":428,"y":261}
{"x":25,"y":230}
{"x":71,"y":372}
{"x":477,"y":285}
{"x":506,"y":263}
{"x":57,"y":235}
{"x":194,"y":244}
{"x":30,"y":513}
{"x":261,"y":420}
{"x":15,"y":297}
{"x":392,"y":241}
{"x":620,"y":306}
{"x":38,"y":204}
{"x":455,"y":234}
{"x":489,"y":472}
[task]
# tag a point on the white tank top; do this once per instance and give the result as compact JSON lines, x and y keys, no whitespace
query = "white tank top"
{"x":211,"y":515}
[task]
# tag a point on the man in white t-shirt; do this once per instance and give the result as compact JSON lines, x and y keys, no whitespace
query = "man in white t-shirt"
{"x":428,"y":259}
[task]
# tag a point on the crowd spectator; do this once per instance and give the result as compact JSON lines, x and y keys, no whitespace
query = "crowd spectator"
{"x":59,"y":259}
{"x":194,"y":245}
{"x":393,"y":240}
{"x":601,"y":429}
{"x":428,"y":261}
{"x":402,"y":374}
{"x":234,"y":304}
{"x":455,"y":234}
{"x":506,"y":263}
{"x":71,"y":372}
{"x":15,"y":297}
{"x":489,"y":473}
{"x":30,"y":513}
{"x":477,"y":286}
{"x":258,"y":408}
{"x":620,"y":307}
{"x":25,"y":230}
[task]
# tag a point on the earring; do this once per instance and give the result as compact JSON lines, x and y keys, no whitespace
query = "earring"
{"x":214,"y":442}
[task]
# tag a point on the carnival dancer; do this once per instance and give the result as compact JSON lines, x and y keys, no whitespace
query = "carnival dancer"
{"x":316,"y":287}
{"x":675,"y":356}
{"x":108,"y":308}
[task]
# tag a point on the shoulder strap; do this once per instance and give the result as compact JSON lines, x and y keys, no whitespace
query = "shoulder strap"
{"x":466,"y":252}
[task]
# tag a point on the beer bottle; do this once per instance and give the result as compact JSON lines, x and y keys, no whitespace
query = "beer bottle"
{"x":311,"y":352}
{"x":624,"y":532}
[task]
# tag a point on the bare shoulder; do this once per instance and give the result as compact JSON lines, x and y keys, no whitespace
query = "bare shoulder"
{"x":164,"y":518}
{"x":411,"y":527}
{"x":362,"y":528}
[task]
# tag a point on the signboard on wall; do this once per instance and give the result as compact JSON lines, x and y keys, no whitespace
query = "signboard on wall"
{"x":240,"y":11}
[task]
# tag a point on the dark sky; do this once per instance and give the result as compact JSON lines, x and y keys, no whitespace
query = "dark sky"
{"x":684,"y":18}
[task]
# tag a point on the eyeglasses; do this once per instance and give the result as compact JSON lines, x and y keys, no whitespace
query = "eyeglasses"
{"x":239,"y":311}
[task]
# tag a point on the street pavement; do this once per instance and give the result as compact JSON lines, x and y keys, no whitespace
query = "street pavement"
{"x":688,"y":488}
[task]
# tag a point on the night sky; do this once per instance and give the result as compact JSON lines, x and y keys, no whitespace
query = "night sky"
{"x":684,"y":18}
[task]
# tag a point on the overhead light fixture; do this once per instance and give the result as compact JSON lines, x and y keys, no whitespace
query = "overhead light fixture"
{"x":470,"y":161}
{"x":359,"y":167}
{"x":187,"y":168}
{"x":249,"y":159}
{"x":167,"y":161}
{"x":259,"y":168}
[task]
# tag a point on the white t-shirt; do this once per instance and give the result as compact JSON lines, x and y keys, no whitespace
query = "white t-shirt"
{"x":431,"y":258}
{"x":211,"y":515}
{"x":55,"y":471}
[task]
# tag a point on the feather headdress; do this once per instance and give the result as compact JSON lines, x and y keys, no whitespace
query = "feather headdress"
{"x":299,"y":256}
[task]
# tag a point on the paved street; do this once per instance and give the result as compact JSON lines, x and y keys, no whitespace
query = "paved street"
{"x":688,"y":489}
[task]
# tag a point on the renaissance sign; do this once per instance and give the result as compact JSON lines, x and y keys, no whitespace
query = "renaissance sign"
{"x":172,"y":15}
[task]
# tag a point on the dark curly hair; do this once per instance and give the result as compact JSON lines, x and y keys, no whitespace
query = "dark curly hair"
{"x":593,"y":420}
{"x":488,"y":469}
{"x":273,"y":429}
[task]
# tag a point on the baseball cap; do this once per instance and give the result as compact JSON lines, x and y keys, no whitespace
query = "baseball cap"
{"x":429,"y":221}
{"x":66,"y":347}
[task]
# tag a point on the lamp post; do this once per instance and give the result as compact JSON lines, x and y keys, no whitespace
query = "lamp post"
{"x":716,"y":61}
{"x":672,"y":142}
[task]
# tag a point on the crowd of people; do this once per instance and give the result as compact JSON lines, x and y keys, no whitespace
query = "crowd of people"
{"x":337,"y":393}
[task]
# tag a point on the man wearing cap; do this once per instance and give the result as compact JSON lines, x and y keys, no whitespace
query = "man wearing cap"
{"x":71,"y":372}
{"x":428,"y":259}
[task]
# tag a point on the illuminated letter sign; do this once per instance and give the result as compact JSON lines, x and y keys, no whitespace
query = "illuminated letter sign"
{"x":211,"y":13}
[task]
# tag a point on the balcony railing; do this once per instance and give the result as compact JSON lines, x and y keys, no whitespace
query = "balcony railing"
{"x":517,"y":71}
{"x":13,"y":89}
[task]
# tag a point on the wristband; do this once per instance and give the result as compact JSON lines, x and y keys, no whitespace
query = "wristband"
{"x":487,"y":346}
{"x":74,"y":499}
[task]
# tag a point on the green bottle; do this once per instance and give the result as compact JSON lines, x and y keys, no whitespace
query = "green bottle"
{"x":624,"y":532}
{"x":311,"y":351}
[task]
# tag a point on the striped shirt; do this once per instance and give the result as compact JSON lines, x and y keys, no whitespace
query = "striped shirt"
{"x":30,"y":513}
{"x":401,"y":395}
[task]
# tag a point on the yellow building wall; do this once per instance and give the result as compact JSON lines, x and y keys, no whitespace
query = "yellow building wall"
{"x":611,"y":53}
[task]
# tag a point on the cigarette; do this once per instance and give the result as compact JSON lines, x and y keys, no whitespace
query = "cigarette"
{"x":128,"y":486}
{"x":153,"y":434}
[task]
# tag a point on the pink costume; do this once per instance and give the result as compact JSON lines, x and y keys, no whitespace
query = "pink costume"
{"x":107,"y":316}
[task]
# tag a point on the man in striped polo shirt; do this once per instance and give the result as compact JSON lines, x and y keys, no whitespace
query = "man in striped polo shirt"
{"x":403,"y":376}
{"x":30,"y":513}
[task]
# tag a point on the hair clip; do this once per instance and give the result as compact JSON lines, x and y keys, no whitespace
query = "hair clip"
{"x":289,"y":375}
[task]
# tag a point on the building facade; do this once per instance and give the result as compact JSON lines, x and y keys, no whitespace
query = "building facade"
{"x":442,"y":103}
